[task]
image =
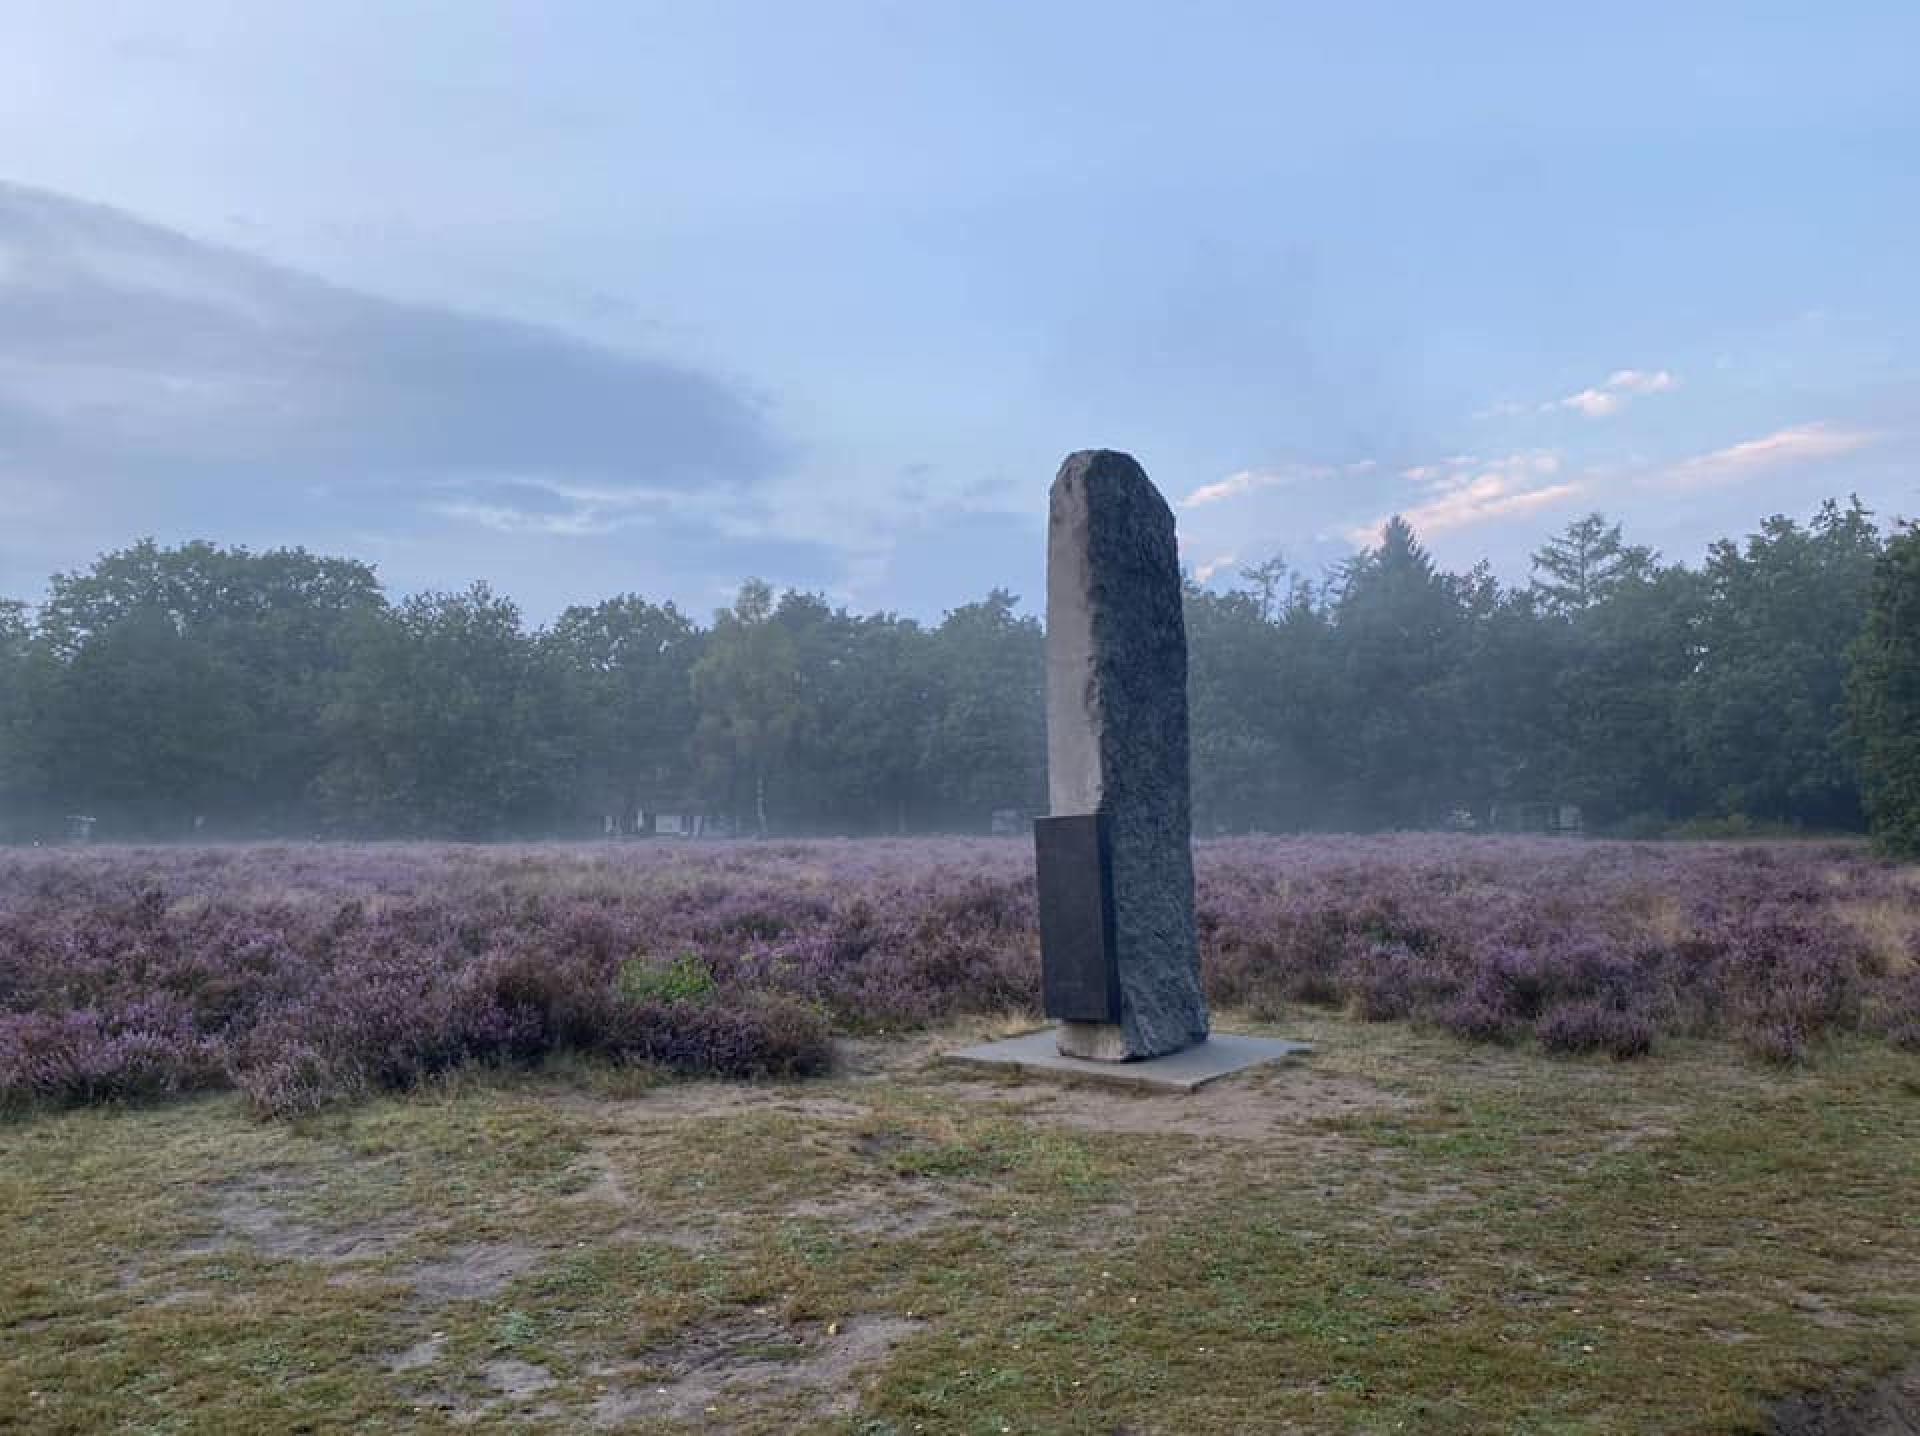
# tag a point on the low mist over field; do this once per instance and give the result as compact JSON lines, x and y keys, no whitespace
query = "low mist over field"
{"x":206,"y":692}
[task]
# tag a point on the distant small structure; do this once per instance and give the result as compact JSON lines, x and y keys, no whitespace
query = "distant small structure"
{"x":79,"y":828}
{"x":1008,"y":823}
{"x":1551,"y":819}
{"x":685,"y":821}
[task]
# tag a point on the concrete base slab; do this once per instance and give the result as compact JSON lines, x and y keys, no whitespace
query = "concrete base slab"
{"x":1221,"y":1055}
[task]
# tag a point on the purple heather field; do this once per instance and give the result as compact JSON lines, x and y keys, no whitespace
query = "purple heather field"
{"x":304,"y":975}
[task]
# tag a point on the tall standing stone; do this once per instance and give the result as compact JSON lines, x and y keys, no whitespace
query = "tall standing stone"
{"x":1121,"y":965}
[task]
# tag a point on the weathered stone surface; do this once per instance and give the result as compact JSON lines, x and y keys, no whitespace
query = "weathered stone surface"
{"x":1117,"y":739}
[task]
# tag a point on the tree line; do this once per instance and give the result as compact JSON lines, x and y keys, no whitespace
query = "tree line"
{"x":218,"y":692}
{"x":1646,"y":693}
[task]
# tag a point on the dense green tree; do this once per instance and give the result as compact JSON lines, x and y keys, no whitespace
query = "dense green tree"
{"x":860,"y":753}
{"x":18,"y":773}
{"x":750,"y":688}
{"x":144,"y":728}
{"x":272,"y":627}
{"x":1258,"y":697}
{"x":1615,"y":731}
{"x":15,"y":632}
{"x":1764,"y":711}
{"x":1585,"y":564}
{"x":630,"y":665}
{"x":265,"y":605}
{"x":1513,"y":662}
{"x":986,"y":737}
{"x":1257,"y":678}
{"x":447,"y":720}
{"x":1232,"y":683}
{"x":1884,"y":698}
{"x":1595,"y":677}
{"x":1402,"y":630}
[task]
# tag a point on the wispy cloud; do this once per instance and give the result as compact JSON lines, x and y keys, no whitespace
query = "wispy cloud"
{"x":1800,"y":444}
{"x":1236,"y":484}
{"x":1642,"y":381}
{"x":539,"y":504}
{"x":1205,"y":572}
{"x":1597,"y":401}
{"x":1463,"y":490}
{"x":1246,"y":481}
{"x":506,"y":519}
{"x":1441,"y":470}
{"x":1611,"y":395}
{"x":1486,"y":498}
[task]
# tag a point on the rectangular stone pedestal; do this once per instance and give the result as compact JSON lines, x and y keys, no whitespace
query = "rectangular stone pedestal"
{"x":1220,"y":1055}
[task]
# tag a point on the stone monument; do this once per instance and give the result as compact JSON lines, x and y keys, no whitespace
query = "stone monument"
{"x":1120,"y":966}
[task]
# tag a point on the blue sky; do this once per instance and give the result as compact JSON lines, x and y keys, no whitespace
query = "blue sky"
{"x":584,"y":298}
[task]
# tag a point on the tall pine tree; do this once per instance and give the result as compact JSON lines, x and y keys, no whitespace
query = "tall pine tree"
{"x":1585,"y":564}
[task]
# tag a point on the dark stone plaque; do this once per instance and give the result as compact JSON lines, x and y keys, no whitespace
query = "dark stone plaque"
{"x":1079,"y":976}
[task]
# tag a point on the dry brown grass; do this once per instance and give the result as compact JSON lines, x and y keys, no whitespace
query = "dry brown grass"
{"x":1890,"y":928}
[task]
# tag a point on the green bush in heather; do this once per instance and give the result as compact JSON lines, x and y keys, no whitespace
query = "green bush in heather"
{"x":685,"y":979}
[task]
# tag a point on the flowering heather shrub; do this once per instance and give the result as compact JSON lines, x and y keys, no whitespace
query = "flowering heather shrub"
{"x":764,"y":1035}
{"x":148,"y":1048}
{"x":1473,"y":1017}
{"x":1897,"y":1014}
{"x":1590,"y":1026}
{"x":311,"y":974}
{"x":381,"y":1023}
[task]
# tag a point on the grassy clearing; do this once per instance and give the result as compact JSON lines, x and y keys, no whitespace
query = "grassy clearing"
{"x":1401,"y":1234}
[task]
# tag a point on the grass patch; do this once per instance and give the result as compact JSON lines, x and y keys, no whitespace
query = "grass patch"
{"x":1493,"y":1240}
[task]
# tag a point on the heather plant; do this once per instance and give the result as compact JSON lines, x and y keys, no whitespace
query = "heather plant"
{"x":147,"y":1048}
{"x":1596,"y":1026}
{"x":305,"y":975}
{"x":1899,"y":1018}
{"x":763,"y":1035}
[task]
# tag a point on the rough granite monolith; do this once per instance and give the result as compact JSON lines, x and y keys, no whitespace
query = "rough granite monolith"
{"x":1117,"y":742}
